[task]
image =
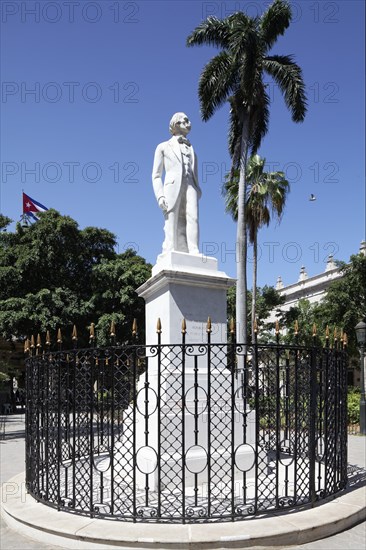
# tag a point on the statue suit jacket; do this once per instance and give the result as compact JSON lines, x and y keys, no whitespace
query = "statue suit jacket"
{"x":168,"y":158}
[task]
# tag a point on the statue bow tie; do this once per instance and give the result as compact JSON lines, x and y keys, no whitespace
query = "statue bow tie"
{"x":182,"y":139}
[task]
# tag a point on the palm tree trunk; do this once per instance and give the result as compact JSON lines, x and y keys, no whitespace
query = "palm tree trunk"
{"x":254,"y":290}
{"x":242,"y":241}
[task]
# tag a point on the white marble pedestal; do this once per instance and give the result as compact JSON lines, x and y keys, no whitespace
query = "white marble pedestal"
{"x":188,"y":287}
{"x":184,"y":286}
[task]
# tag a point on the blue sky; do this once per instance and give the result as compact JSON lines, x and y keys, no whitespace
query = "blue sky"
{"x":108,"y":75}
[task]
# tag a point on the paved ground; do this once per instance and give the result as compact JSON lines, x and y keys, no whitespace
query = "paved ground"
{"x":12,"y":463}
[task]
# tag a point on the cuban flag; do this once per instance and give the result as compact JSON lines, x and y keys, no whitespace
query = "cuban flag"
{"x":32,"y":207}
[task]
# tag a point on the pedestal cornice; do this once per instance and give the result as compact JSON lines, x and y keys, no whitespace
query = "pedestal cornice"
{"x":166,"y":277}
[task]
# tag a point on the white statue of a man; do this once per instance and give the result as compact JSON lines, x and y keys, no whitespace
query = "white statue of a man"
{"x":179,"y":194}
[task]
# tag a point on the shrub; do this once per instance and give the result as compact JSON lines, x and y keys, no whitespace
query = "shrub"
{"x":353,"y":405}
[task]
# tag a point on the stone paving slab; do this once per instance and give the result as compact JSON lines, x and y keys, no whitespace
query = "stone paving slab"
{"x":352,"y":539}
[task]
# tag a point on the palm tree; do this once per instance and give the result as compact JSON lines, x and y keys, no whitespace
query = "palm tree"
{"x":236,"y":75}
{"x":267,"y":194}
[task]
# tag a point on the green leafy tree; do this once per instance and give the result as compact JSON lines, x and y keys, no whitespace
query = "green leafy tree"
{"x":52,"y":253}
{"x":47,"y":309}
{"x":353,"y":405}
{"x":304,"y":316}
{"x":344,"y":304}
{"x":267,"y":192}
{"x":236,"y":75}
{"x":268,"y":299}
{"x":4,"y":222}
{"x":52,"y":274}
{"x":115,"y":299}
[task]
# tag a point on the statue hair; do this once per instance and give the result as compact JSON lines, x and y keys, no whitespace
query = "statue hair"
{"x":173,"y":122}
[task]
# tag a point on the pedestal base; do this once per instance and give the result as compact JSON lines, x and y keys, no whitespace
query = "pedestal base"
{"x":195,"y":436}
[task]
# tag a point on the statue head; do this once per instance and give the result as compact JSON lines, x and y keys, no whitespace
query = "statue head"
{"x":179,"y":124}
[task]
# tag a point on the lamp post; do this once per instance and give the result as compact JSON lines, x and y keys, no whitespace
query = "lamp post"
{"x":360,"y":329}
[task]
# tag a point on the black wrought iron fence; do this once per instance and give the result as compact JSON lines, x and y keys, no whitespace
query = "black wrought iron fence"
{"x":186,"y":432}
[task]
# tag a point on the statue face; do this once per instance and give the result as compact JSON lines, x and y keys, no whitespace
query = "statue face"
{"x":182,"y":126}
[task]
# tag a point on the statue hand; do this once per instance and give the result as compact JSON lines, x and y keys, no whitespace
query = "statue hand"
{"x":163,"y":204}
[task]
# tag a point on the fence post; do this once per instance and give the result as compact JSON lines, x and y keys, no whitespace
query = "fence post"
{"x":183,"y":390}
{"x":312,"y":423}
{"x":257,"y":418}
{"x":344,"y":389}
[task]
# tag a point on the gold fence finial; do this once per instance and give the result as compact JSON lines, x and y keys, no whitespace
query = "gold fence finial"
{"x":92,"y":331}
{"x":209,"y":325}
{"x":184,"y":326}
{"x":158,"y":326}
{"x":335,"y":333}
{"x":134,"y":327}
{"x":277,"y":327}
{"x":48,"y":338}
{"x":232,"y":325}
{"x":39,"y":341}
{"x":112,"y":329}
{"x":32,"y":344}
{"x":59,"y":336}
{"x":314,"y":329}
{"x":327,"y":332}
{"x":74,"y":333}
{"x":26,"y":345}
{"x":345,"y":339}
{"x":296,"y":327}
